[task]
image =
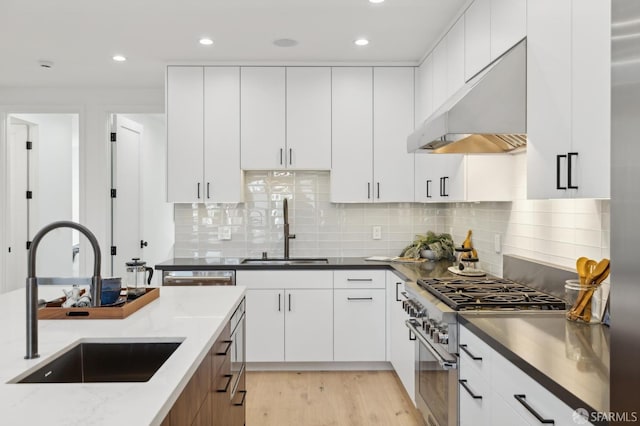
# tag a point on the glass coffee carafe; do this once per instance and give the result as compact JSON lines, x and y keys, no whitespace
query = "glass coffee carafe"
{"x":136,"y":278}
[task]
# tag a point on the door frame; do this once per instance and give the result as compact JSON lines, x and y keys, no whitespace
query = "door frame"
{"x":5,"y":111}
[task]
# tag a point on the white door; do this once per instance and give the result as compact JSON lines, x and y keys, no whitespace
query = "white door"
{"x":265,"y":325}
{"x":126,"y":208}
{"x":18,"y":223}
{"x":309,"y":325}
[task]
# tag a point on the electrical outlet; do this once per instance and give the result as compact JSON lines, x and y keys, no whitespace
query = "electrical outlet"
{"x":224,"y":233}
{"x":497,"y":243}
{"x":376,"y":232}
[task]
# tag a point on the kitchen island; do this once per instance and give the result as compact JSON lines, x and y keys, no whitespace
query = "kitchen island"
{"x":196,"y":316}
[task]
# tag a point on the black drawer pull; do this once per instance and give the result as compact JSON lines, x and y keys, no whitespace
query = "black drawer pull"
{"x":226,"y":387}
{"x":464,"y":384}
{"x":428,"y":192}
{"x":522,"y":400}
{"x":558,"y":159}
{"x":359,"y":298}
{"x":473,"y":357}
{"x":226,"y":351}
{"x":359,"y":279}
{"x":569,"y":155}
{"x":241,"y":403}
{"x":397,"y":287}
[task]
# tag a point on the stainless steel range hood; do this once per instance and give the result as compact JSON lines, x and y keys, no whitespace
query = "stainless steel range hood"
{"x":488,"y":114}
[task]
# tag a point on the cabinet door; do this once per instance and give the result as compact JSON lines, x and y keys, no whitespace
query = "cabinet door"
{"x":477,"y":37}
{"x":265,"y":325}
{"x":591,"y":97}
{"x":475,"y":398}
{"x":309,"y":325}
{"x":308,"y":118}
{"x":425,"y":178}
{"x":508,"y":25}
{"x":222,"y":174}
{"x":548,"y":96}
{"x":359,"y":325}
{"x":455,"y":57}
{"x":262,"y":112}
{"x":440,"y":74}
{"x":402,"y":348}
{"x":424,"y":91}
{"x":393,"y":93}
{"x":185,"y":91}
{"x":352,"y":135}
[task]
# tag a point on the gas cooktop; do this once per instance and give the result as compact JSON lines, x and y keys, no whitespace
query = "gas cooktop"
{"x":489,"y":293}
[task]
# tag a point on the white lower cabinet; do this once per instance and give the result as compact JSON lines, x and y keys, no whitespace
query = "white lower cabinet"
{"x":495,"y":392}
{"x":402,"y":350}
{"x":359,"y":327}
{"x":289,"y":315}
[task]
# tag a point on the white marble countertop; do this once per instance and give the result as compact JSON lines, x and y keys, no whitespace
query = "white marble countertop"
{"x":195,"y":314}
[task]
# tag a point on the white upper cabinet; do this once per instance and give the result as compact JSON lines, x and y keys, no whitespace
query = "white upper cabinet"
{"x":455,"y":57}
{"x":308,"y":118}
{"x":477,"y":37}
{"x":393,"y":92}
{"x":222,"y":174}
{"x":185,"y":133}
{"x":262,"y":112}
{"x":568,"y":98}
{"x":424,"y":90}
{"x":352,"y":134}
{"x":508,"y":24}
{"x":439,"y":178}
{"x":203,"y":122}
{"x":439,"y":74}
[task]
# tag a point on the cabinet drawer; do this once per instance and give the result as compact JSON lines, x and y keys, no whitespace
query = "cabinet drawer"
{"x":359,"y":325}
{"x":475,"y":398}
{"x":475,"y":353}
{"x":361,"y":278}
{"x":272,"y":279}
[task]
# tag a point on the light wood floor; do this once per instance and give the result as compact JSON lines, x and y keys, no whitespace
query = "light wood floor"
{"x":328,"y":398}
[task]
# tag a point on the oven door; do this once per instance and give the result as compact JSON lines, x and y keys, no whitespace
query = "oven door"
{"x":436,"y":383}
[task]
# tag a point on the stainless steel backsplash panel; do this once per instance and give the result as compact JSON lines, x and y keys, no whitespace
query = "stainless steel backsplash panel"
{"x":539,"y":275}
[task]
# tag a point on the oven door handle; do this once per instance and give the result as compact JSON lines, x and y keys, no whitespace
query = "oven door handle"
{"x":446,"y":364}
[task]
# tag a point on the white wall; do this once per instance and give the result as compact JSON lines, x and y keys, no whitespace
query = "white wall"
{"x":93,"y":106}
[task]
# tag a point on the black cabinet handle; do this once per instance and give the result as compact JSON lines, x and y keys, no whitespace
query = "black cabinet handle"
{"x":289,"y":302}
{"x":558,"y":160}
{"x":280,"y":156}
{"x":359,"y":279}
{"x":241,"y":403}
{"x":522,"y":400}
{"x":444,"y":186}
{"x":359,"y":298}
{"x":368,"y":190}
{"x":279,"y":298}
{"x":397,"y":296}
{"x":473,"y":357}
{"x":226,"y":387}
{"x":198,"y":190}
{"x":208,"y":190}
{"x":378,"y":185}
{"x":226,"y":350}
{"x":428,"y":187}
{"x":410,"y":334}
{"x":441,"y":187}
{"x":290,"y":155}
{"x":463,"y":383}
{"x":143,"y":243}
{"x":569,"y":155}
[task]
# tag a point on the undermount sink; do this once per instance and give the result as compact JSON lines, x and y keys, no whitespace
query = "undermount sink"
{"x":290,"y":261}
{"x":93,"y":362}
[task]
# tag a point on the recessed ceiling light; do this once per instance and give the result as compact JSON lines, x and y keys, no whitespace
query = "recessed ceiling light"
{"x":119,"y":58}
{"x":375,"y":1}
{"x":285,"y":42}
{"x":361,"y":42}
{"x":205,"y":41}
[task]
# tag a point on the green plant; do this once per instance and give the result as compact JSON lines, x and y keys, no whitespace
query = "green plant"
{"x":440,"y":244}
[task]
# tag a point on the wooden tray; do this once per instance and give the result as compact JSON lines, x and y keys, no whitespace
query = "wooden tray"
{"x":103,"y":312}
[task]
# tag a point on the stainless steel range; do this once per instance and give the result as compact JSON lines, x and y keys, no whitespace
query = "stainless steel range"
{"x":433,"y":322}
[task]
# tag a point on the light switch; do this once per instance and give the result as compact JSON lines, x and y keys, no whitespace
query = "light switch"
{"x":376,"y":233}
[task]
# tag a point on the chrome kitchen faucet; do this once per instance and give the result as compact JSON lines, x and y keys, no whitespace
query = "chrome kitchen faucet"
{"x":287,"y":236}
{"x":32,"y":280}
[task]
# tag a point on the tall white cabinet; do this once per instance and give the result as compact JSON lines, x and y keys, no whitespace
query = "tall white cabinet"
{"x":372,"y":114}
{"x":568,"y":98}
{"x":203,"y":134}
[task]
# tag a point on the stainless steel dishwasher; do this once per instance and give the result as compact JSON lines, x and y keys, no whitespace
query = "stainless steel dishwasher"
{"x":197,"y":278}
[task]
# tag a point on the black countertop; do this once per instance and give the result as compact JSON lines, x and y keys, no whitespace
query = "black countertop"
{"x":569,"y":359}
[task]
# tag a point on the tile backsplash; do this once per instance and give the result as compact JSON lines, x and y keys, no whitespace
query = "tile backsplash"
{"x":554,"y":231}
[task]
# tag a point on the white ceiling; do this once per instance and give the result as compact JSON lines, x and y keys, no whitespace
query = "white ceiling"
{"x":81,"y":36}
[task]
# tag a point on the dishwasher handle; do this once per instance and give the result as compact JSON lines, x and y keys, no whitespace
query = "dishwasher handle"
{"x":177,"y":280}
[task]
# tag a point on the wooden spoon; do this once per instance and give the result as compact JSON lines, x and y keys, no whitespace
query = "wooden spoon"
{"x":580,"y":267}
{"x":586,"y":314}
